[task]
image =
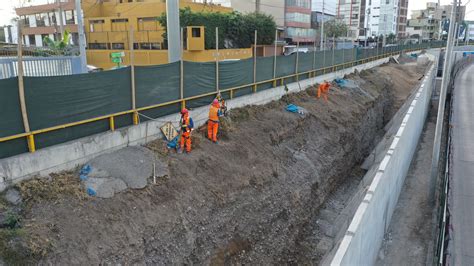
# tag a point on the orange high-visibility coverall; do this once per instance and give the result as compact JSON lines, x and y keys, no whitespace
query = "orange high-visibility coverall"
{"x":323,"y":89}
{"x":186,"y":133}
{"x":213,"y":122}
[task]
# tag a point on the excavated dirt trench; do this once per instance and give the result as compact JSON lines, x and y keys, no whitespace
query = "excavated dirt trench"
{"x":254,"y":198}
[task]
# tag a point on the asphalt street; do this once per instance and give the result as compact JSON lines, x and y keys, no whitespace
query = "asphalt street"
{"x":462,"y":169}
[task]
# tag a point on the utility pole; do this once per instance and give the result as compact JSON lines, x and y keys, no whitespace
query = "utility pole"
{"x":173,"y":28}
{"x":82,"y":37}
{"x":60,"y":18}
{"x":322,"y":30}
{"x":441,"y":105}
{"x":257,"y":6}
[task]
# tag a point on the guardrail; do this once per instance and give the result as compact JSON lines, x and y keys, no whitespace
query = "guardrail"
{"x":443,"y":212}
{"x":30,"y":136}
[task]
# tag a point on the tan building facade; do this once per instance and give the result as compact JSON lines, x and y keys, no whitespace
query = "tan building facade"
{"x":112,"y":25}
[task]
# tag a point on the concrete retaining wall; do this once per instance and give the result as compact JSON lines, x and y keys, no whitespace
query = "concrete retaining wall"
{"x":362,"y":240}
{"x":72,"y":154}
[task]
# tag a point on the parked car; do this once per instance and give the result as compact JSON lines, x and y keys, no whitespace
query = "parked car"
{"x":291,"y":49}
{"x":92,"y":69}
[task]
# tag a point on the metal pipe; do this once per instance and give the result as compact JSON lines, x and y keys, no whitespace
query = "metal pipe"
{"x":441,"y":107}
{"x":275,"y":54}
{"x":181,"y":70}
{"x":217,"y":59}
{"x":255,"y":61}
{"x":82,"y":37}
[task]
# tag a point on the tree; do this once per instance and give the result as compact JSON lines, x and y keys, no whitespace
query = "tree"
{"x":335,"y":29}
{"x":60,"y":47}
{"x":2,"y":35}
{"x":236,"y":30}
{"x":391,"y":38}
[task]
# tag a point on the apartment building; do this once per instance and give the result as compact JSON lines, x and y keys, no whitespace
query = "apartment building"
{"x":108,"y":22}
{"x":382,"y":17}
{"x":293,"y":17}
{"x":402,"y":19}
{"x":424,"y":24}
{"x":433,"y":21}
{"x":40,"y":21}
{"x":353,"y":13}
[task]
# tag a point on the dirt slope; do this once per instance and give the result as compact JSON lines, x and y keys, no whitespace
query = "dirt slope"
{"x":253,"y":198}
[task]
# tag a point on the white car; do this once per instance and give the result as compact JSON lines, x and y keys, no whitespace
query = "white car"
{"x":291,"y":49}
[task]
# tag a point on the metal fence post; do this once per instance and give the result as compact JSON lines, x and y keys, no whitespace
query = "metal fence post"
{"x":275,"y":58}
{"x":21,"y":91}
{"x":181,"y":72}
{"x":333,"y":50}
{"x":314,"y":58}
{"x":343,"y":52}
{"x":255,"y":63}
{"x":324,"y":60}
{"x":297,"y":60}
{"x":132,"y":71}
{"x":217,"y":59}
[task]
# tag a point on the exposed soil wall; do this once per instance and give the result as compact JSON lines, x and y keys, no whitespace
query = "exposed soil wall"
{"x":253,"y":198}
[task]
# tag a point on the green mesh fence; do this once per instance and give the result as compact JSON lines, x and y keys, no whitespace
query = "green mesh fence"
{"x":151,"y":92}
{"x":200,"y":78}
{"x":11,"y":121}
{"x":59,"y":100}
{"x":53,"y":101}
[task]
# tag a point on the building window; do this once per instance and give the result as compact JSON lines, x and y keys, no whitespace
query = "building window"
{"x":150,"y":46}
{"x":299,"y":3}
{"x":98,"y":46}
{"x":118,"y":46}
{"x":43,"y":36}
{"x":196,"y":32}
{"x":32,"y":39}
{"x":40,"y":18}
{"x":300,"y":32}
{"x":96,"y":25}
{"x":26,"y":21}
{"x":148,"y":24}
{"x":75,"y":38}
{"x":52,"y":18}
{"x":119,"y":24}
{"x":298,"y":17}
{"x":69,"y":17}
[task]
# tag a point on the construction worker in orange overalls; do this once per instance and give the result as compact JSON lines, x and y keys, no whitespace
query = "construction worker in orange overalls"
{"x":213,"y":122}
{"x":323,"y":89}
{"x":187,"y":126}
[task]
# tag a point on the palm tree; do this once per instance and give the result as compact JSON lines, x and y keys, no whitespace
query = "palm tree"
{"x":61,"y":47}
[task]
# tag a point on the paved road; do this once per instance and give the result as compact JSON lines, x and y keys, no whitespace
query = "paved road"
{"x":462,"y":166}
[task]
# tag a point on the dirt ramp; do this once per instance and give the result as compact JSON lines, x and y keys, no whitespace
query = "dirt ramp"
{"x":252,"y":199}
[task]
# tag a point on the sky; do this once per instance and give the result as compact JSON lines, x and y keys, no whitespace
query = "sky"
{"x":7,"y":7}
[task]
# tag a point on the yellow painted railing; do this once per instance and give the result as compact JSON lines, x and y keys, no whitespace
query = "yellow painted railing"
{"x":278,"y":80}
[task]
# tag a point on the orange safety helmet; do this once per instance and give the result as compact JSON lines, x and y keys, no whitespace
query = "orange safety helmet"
{"x":215,"y":101}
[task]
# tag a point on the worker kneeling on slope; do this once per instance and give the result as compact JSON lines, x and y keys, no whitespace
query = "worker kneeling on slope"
{"x":187,"y":126}
{"x":213,"y":122}
{"x":323,"y":90}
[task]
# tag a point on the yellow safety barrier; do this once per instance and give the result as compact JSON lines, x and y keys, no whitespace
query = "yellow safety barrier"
{"x":30,"y":135}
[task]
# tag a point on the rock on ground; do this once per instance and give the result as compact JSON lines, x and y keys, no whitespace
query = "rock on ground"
{"x":114,"y":172}
{"x":13,"y":196}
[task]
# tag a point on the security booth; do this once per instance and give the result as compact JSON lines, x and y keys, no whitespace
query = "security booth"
{"x":195,"y":38}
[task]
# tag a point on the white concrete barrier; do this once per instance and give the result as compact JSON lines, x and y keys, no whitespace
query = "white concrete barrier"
{"x":362,"y":240}
{"x":71,"y":154}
